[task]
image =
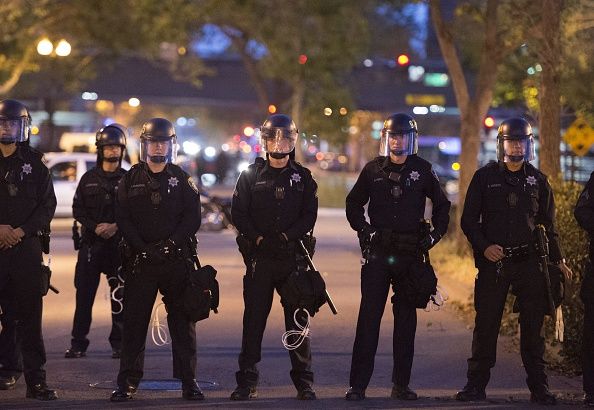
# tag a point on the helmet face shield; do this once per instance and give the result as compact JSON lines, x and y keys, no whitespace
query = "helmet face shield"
{"x":516,"y":149}
{"x":278,"y":139}
{"x":14,"y":130}
{"x":398,"y":143}
{"x":158,"y":150}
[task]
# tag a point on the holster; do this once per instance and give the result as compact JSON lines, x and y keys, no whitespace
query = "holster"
{"x":46,"y":275}
{"x":246,"y":248}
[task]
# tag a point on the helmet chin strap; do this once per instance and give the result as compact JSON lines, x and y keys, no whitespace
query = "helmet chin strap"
{"x":157,"y":159}
{"x":515,"y":158}
{"x":112,"y":159}
{"x":278,"y":155}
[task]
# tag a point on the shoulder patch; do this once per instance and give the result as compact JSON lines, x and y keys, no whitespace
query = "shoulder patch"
{"x":435,"y":174}
{"x":192,"y":185}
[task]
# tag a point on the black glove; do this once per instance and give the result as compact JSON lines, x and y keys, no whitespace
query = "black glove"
{"x":365,"y":234}
{"x":429,"y":241}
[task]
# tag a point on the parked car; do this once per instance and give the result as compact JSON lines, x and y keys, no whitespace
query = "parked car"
{"x":66,"y":169}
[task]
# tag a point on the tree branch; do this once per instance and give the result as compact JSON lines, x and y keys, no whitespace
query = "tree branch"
{"x":450,"y":56}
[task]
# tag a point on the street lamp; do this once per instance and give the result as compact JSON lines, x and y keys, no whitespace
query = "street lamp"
{"x":46,"y":48}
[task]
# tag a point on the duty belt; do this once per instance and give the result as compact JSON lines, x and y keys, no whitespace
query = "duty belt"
{"x":518,"y":253}
{"x":394,"y":242}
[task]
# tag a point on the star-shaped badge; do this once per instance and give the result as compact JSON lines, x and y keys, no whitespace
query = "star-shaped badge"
{"x":173,"y":181}
{"x":27,"y":168}
{"x":296,"y":177}
{"x":531,"y":180}
{"x":414,"y":175}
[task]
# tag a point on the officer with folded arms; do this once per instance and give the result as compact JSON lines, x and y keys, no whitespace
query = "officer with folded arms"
{"x":395,"y":185}
{"x":27,"y":205}
{"x":157,"y":212}
{"x":504,"y":203}
{"x":94,"y":208}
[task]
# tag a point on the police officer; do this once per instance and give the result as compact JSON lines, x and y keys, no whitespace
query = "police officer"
{"x":505,"y":201}
{"x":94,"y":208}
{"x":584,"y":214}
{"x":157,"y":212}
{"x":274,"y":205}
{"x":27,"y":205}
{"x":396,"y":185}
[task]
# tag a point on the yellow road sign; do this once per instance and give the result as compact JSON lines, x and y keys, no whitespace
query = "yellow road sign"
{"x":579,"y":136}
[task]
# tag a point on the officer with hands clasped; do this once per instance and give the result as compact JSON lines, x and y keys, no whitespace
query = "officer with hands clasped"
{"x":157,"y":212}
{"x":584,"y":214}
{"x":395,"y":185}
{"x":274,"y":205}
{"x":94,"y":208}
{"x":27,"y":205}
{"x":505,"y":202}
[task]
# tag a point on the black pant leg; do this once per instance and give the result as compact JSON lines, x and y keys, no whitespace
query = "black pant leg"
{"x":87,"y":275}
{"x":182,"y":330}
{"x":110,"y":266}
{"x":375,"y":284}
{"x":490,"y":293}
{"x":26,"y":284}
{"x":405,"y":327}
{"x":141,"y":291}
{"x":11,"y":360}
{"x":588,"y":347}
{"x":301,"y":373}
{"x":258,"y":292}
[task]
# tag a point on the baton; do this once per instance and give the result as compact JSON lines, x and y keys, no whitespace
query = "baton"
{"x":543,"y":257}
{"x":54,"y":289}
{"x":312,"y":267}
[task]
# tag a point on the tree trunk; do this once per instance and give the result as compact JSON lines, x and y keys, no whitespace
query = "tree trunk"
{"x":470,"y":129}
{"x":549,"y":96}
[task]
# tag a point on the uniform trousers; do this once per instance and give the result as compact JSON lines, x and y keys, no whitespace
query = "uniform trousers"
{"x":21,"y":341}
{"x":142,"y":285}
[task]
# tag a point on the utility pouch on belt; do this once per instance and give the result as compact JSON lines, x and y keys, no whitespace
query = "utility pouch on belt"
{"x":304,"y":289}
{"x":201,"y":293}
{"x":417,"y":285}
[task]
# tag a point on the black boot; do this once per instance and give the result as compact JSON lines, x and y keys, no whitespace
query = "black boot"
{"x":589,"y":400}
{"x":471,"y":393}
{"x":73,"y":353}
{"x":41,"y":392}
{"x":7,"y":383}
{"x":123,"y":394}
{"x":191,"y":390}
{"x":543,"y":396}
{"x":354,"y":394}
{"x":244,"y":393}
{"x":306,"y":393}
{"x":403,"y":393}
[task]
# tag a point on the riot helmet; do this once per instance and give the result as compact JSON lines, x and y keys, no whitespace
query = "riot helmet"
{"x":158,"y":142}
{"x":515,"y":141}
{"x":278,"y":135}
{"x":15,"y":122}
{"x":112,"y":134}
{"x":399,"y":135}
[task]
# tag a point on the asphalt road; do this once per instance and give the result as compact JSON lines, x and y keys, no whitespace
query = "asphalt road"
{"x":442,"y":343}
